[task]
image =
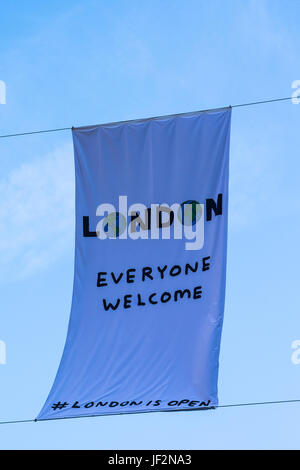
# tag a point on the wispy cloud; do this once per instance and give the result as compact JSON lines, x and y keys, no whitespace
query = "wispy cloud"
{"x":36,"y":214}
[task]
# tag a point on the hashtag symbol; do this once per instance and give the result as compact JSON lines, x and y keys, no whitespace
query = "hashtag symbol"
{"x":59,"y":405}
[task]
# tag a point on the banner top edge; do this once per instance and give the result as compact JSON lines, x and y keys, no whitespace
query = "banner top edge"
{"x":153,"y":118}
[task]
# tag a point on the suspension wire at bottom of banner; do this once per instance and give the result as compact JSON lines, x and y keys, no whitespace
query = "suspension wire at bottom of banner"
{"x":230,"y":405}
{"x":60,"y":129}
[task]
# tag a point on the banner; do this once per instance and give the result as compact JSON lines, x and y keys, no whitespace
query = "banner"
{"x":150,"y":264}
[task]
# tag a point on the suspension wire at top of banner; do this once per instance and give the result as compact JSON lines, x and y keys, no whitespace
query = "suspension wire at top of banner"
{"x":60,"y":129}
{"x":231,"y":405}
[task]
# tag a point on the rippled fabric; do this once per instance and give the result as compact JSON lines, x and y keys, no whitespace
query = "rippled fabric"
{"x":147,"y":309}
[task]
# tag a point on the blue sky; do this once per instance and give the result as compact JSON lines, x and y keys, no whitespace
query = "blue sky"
{"x":77,"y":63}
